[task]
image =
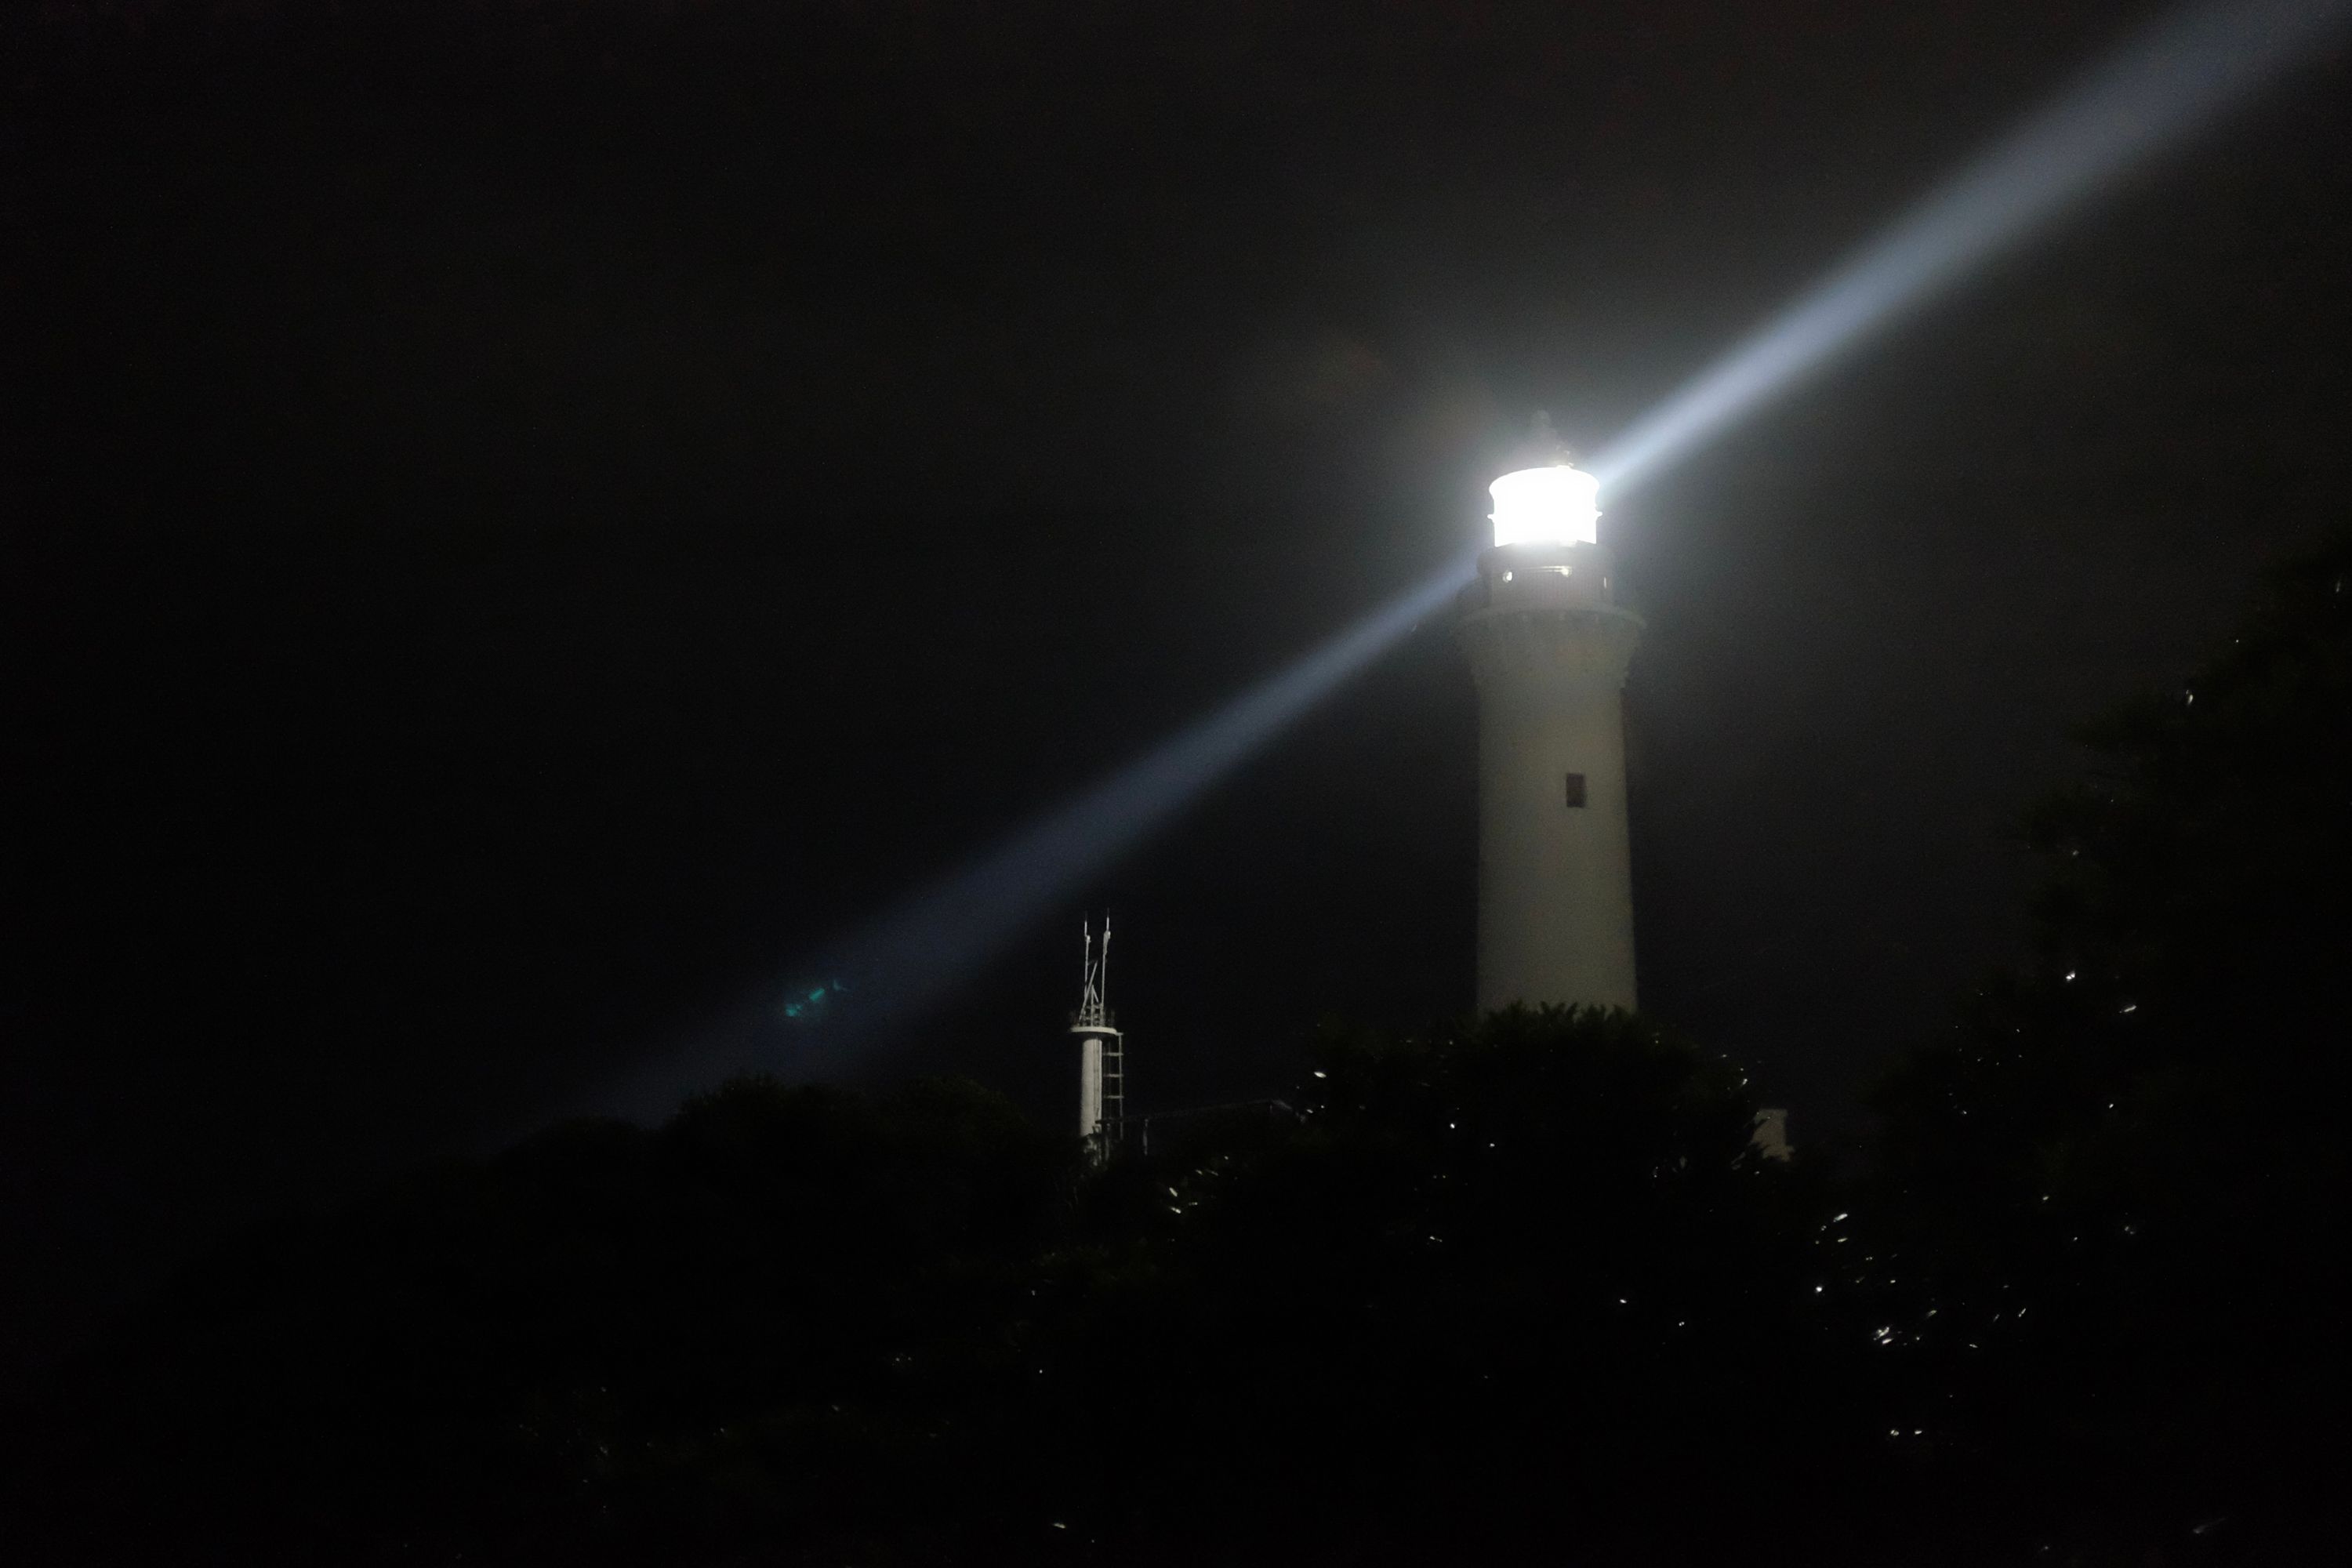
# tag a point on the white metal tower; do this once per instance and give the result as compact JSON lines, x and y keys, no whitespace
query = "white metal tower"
{"x":1102,"y":1051}
{"x":1549,"y":647}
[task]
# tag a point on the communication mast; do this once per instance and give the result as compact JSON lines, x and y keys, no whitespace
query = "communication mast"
{"x":1102,"y":1052}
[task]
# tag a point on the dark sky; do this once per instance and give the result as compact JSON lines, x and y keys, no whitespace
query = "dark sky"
{"x":525,"y":516}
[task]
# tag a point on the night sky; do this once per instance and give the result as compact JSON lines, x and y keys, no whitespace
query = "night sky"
{"x":523,"y":519}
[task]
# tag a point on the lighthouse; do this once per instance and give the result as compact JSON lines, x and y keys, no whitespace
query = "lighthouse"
{"x":1549,"y":648}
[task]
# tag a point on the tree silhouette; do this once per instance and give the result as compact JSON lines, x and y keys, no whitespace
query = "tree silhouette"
{"x":2115,"y":1186}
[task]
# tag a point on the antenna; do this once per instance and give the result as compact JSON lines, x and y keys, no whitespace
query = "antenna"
{"x":1091,"y":1013}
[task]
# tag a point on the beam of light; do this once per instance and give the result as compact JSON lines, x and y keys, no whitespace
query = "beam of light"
{"x":2176,"y":77}
{"x":885,"y":977}
{"x":937,"y":937}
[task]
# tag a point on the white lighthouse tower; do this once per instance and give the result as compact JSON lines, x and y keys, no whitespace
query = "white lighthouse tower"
{"x":1549,"y":648}
{"x":1102,"y":1052}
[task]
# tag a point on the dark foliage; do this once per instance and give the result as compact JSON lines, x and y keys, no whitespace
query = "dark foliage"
{"x":2118,"y":1188}
{"x":603,"y":1343}
{"x":1521,"y":1278}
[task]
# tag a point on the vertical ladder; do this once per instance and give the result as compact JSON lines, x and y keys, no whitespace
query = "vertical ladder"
{"x":1114,"y":1087}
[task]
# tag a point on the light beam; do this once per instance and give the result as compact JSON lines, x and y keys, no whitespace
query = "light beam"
{"x":883,"y":978}
{"x":2179,"y":74}
{"x":934,"y":939}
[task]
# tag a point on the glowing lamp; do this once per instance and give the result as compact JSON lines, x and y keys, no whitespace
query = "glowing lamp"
{"x":1555,"y":505}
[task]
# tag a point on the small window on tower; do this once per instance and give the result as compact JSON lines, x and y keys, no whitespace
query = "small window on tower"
{"x":1576,"y":789}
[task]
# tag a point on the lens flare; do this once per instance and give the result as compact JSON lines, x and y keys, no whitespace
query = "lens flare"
{"x":2176,"y":78}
